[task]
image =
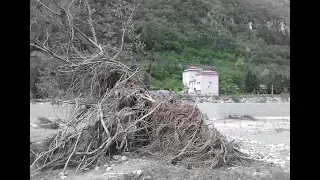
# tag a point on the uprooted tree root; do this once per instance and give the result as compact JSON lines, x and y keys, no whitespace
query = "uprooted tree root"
{"x":116,"y":114}
{"x":179,"y":130}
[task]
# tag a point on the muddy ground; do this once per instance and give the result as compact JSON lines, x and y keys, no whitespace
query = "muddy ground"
{"x":266,"y":141}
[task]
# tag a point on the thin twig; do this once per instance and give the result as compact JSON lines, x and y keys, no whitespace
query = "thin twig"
{"x":56,"y":13}
{"x":75,"y":147}
{"x":95,"y":40}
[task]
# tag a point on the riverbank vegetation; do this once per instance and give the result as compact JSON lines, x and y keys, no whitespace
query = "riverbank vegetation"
{"x":247,"y":42}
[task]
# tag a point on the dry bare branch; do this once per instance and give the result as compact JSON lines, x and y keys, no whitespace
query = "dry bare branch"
{"x":54,"y":12}
{"x":90,"y":22}
{"x":39,"y":46}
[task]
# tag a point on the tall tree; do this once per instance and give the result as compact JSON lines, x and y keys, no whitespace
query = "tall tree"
{"x":278,"y":84}
{"x":226,"y":84}
{"x":251,"y":82}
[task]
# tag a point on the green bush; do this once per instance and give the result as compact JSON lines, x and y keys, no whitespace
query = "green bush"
{"x":236,"y":98}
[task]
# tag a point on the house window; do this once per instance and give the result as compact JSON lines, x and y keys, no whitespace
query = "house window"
{"x":210,"y":82}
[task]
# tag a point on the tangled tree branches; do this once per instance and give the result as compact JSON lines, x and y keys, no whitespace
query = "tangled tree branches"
{"x":125,"y":117}
{"x":77,"y":31}
{"x":113,"y":112}
{"x":105,"y":121}
{"x":179,"y":129}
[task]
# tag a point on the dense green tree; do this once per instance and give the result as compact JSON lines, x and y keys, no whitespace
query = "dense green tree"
{"x":251,"y":82}
{"x":226,"y":85}
{"x":278,"y":84}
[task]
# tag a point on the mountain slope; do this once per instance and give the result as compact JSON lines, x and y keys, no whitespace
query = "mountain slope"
{"x":237,"y":38}
{"x":231,"y":36}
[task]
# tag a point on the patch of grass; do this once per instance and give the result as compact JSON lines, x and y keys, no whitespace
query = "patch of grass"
{"x":236,"y":98}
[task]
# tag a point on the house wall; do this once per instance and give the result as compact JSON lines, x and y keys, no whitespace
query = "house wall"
{"x":192,"y":87}
{"x":205,"y":84}
{"x":209,"y":84}
{"x":188,"y":76}
{"x":185,"y":78}
{"x":198,"y":84}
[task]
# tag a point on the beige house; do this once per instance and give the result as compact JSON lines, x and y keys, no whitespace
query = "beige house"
{"x":199,"y":81}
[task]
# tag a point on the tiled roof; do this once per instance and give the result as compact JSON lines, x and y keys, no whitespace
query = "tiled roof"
{"x":201,"y":71}
{"x":193,"y":68}
{"x":209,"y":72}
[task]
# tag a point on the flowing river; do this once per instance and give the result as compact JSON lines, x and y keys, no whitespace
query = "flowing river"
{"x":256,"y":110}
{"x":213,"y":110}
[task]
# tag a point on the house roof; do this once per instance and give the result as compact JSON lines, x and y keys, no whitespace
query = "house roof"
{"x":207,"y":72}
{"x":193,"y":68}
{"x":201,"y":71}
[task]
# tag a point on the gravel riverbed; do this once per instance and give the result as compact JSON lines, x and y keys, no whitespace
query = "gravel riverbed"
{"x":263,"y":140}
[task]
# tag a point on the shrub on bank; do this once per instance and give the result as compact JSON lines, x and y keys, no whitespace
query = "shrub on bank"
{"x":235,"y":97}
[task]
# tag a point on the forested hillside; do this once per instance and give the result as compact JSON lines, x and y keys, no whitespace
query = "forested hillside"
{"x":246,"y":41}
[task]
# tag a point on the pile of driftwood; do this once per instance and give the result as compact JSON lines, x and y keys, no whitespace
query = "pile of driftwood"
{"x":117,"y":114}
{"x":112,"y":111}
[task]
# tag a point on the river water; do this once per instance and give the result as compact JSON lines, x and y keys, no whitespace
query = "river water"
{"x":256,"y":110}
{"x":213,"y":110}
